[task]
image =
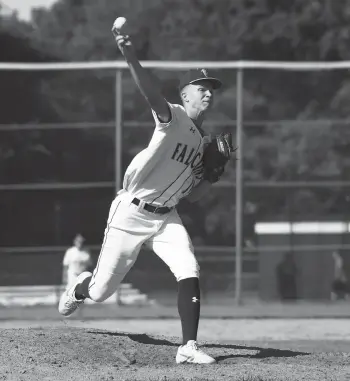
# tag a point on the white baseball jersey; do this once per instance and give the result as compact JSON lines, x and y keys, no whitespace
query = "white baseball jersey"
{"x":76,"y":260}
{"x":339,"y":273}
{"x":171,"y":165}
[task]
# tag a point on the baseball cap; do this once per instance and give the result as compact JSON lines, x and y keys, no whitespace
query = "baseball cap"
{"x":195,"y":75}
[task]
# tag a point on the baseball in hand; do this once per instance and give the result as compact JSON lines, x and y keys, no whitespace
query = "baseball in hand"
{"x":119,"y":24}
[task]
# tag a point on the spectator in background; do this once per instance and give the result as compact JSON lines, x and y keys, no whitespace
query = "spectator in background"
{"x":286,"y":273}
{"x":76,"y":260}
{"x":249,"y":221}
{"x":340,"y":287}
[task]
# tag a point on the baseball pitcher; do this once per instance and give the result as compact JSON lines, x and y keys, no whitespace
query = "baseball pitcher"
{"x":179,"y":161}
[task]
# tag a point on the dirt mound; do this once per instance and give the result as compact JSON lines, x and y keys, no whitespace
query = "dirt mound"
{"x":57,"y":350}
{"x":43,"y":354}
{"x":84,"y":354}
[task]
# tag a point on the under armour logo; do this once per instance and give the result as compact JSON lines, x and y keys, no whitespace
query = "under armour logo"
{"x":192,"y":130}
{"x":204,"y":72}
{"x":194,"y":299}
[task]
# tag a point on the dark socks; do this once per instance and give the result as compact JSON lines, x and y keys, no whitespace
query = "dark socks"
{"x":189,"y":307}
{"x":81,"y":292}
{"x":79,"y":296}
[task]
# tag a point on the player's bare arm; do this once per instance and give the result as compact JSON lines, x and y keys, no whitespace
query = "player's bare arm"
{"x":147,"y":85}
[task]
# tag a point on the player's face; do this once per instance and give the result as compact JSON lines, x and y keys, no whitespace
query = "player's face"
{"x":78,"y":242}
{"x":200,"y":95}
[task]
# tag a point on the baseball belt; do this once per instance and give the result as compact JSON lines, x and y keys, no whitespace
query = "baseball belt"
{"x":152,"y":208}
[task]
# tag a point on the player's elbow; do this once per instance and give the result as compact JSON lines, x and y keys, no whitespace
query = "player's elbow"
{"x":160,"y":106}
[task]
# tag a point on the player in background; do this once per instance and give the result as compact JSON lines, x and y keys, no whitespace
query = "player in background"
{"x":340,"y":286}
{"x":144,"y":211}
{"x":76,"y":260}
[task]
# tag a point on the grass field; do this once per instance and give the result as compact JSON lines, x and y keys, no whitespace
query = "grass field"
{"x":141,"y":343}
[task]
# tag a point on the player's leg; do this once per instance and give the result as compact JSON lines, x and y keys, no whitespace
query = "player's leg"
{"x":118,"y":254}
{"x":119,"y":251}
{"x":173,"y":245}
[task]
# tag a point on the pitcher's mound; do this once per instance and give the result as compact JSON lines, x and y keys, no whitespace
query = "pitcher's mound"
{"x":83,"y":354}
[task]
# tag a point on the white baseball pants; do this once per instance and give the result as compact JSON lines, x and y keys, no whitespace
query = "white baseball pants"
{"x":128,"y":228}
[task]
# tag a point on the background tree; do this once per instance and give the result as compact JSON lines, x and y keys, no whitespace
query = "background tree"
{"x":79,"y":30}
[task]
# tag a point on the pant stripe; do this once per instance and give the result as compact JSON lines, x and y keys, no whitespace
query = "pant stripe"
{"x":103,"y":245}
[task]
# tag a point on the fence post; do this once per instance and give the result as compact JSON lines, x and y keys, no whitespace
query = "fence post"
{"x":239,"y":184}
{"x":58,"y":242}
{"x":57,"y":222}
{"x":118,"y":154}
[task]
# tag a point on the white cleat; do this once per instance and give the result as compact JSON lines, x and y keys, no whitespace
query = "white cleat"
{"x":190,"y":353}
{"x":68,"y":302}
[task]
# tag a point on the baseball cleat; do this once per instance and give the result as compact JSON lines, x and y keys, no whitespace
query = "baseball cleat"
{"x":190,"y":353}
{"x":68,"y":302}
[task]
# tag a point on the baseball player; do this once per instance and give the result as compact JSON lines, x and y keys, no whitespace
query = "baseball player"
{"x":340,"y":286}
{"x":76,"y":260}
{"x":144,"y":211}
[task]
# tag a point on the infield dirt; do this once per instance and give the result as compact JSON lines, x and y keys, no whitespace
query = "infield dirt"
{"x":71,"y":353}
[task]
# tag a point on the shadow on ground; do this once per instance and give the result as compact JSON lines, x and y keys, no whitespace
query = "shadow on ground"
{"x":253,"y":351}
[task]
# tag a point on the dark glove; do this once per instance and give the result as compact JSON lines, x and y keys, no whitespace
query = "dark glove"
{"x":216,"y":155}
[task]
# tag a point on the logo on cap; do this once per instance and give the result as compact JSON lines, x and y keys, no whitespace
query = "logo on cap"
{"x":204,"y":72}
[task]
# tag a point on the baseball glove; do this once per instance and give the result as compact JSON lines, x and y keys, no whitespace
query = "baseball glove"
{"x":216,"y":155}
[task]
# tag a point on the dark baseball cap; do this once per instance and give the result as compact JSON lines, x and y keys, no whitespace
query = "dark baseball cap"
{"x":196,"y":75}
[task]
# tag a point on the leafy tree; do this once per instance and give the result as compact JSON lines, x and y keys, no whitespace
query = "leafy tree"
{"x":268,"y":30}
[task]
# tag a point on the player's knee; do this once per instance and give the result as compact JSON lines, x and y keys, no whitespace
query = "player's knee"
{"x":182,"y":277}
{"x":190,"y":272}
